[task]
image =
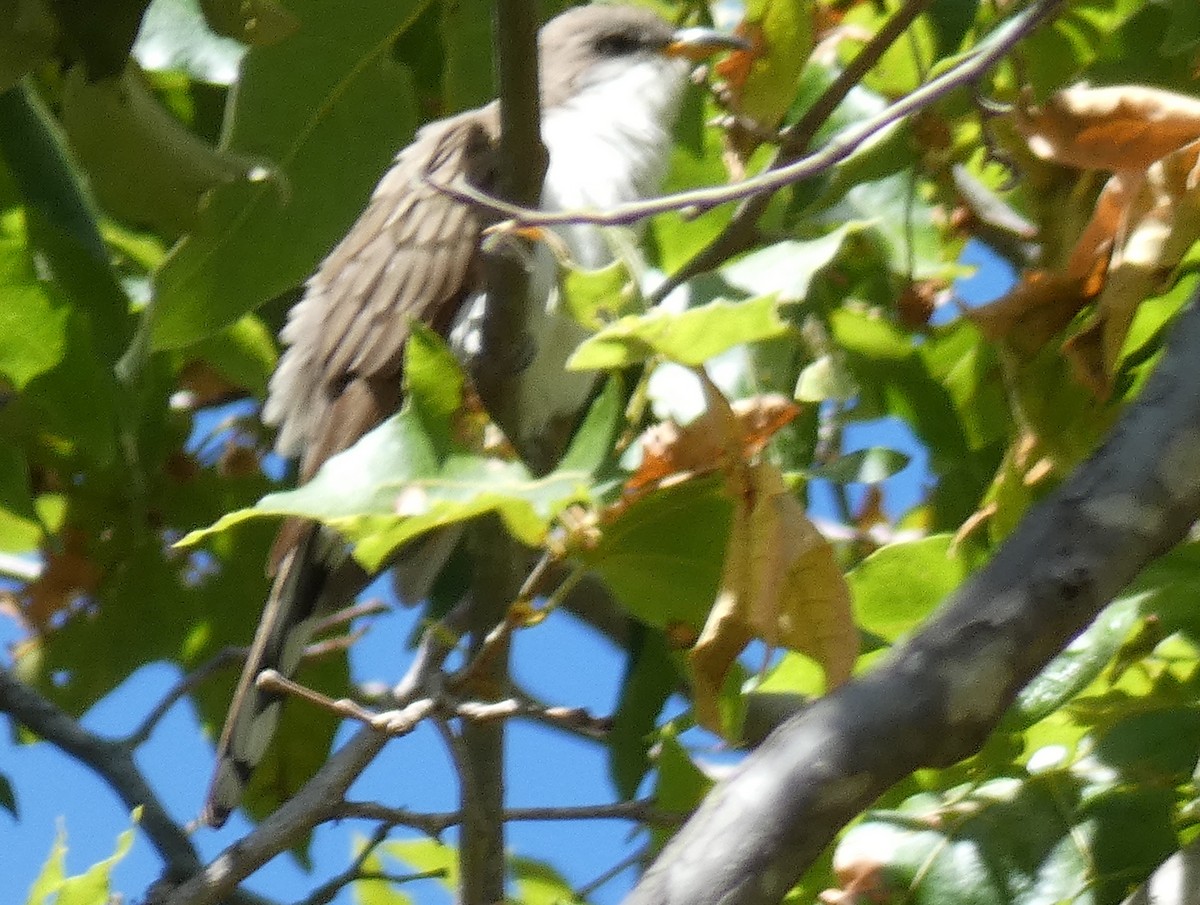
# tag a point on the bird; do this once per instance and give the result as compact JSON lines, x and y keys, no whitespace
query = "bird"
{"x":612,"y":80}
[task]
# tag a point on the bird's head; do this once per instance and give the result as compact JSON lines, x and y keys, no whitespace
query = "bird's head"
{"x":590,"y":45}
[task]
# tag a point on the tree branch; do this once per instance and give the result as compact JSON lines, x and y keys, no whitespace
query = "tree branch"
{"x":970,"y":69}
{"x":310,"y":806}
{"x":936,"y":697}
{"x":640,"y":811}
{"x":112,"y":761}
{"x":740,"y":232}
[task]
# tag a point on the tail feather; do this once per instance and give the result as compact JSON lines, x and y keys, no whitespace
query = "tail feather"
{"x":301,"y":595}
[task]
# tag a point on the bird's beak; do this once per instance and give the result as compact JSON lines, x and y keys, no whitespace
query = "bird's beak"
{"x":698,"y":44}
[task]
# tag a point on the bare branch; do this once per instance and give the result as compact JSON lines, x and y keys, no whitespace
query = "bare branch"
{"x":741,"y":230}
{"x":937,"y":696}
{"x":222,"y":659}
{"x":311,"y":805}
{"x":640,"y":811}
{"x":970,"y":69}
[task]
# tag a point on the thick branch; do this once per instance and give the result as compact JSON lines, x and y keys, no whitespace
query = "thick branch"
{"x":936,"y":697}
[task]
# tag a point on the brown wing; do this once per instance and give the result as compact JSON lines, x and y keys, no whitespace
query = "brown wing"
{"x":410,"y":256}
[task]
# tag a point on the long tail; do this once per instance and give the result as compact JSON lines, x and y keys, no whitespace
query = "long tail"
{"x":310,"y":583}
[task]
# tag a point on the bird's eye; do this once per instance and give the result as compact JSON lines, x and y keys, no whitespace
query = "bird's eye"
{"x":616,"y":45}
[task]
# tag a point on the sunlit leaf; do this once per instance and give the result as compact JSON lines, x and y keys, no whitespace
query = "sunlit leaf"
{"x":688,"y":338}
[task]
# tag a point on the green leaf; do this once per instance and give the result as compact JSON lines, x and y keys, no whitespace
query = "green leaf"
{"x":143,"y":164}
{"x":89,"y":888}
{"x":20,"y":527}
{"x":33,"y":326}
{"x":25,"y":42}
{"x":538,"y":883}
{"x":825,"y":379}
{"x":690,"y":338}
{"x":650,"y":678}
{"x":592,"y":445}
{"x":434,"y":383}
{"x":244,"y":353}
{"x":598,"y":297}
{"x":695,"y":160}
{"x":427,"y":855}
{"x":787,"y":269}
{"x":468,"y":74}
{"x":951,"y":20}
{"x":867,"y":466}
{"x":1184,"y":31}
{"x":259,"y":22}
{"x":376,"y":891}
{"x":94,"y":886}
{"x":903,"y":65}
{"x":390,"y":488}
{"x":897,"y":586}
{"x":932,"y":855}
{"x":679,"y":785}
{"x":326,"y":137}
{"x":102,"y":33}
{"x":1075,"y":668}
{"x":49,"y":879}
{"x":662,"y":556}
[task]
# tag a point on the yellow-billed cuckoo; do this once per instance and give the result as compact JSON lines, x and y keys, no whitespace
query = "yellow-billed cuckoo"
{"x":611,"y":81}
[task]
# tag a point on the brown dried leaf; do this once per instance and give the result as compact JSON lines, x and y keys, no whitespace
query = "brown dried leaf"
{"x":1118,"y":127}
{"x":724,"y":435}
{"x":1162,"y":221}
{"x":69,"y":574}
{"x":782,"y":584}
{"x":1043,"y":302}
{"x":1033,"y":312}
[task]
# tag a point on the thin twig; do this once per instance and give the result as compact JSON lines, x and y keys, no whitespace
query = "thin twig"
{"x":222,"y":659}
{"x":640,"y":811}
{"x":611,"y":874}
{"x":112,"y":761}
{"x":397,"y":722}
{"x":972,"y":67}
{"x":311,"y":805}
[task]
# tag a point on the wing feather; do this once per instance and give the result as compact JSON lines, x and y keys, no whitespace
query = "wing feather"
{"x":409,"y":256}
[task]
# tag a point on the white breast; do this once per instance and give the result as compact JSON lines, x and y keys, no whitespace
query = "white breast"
{"x":608,"y":145}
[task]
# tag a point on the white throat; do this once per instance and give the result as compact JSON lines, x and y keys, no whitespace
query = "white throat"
{"x":609,"y":143}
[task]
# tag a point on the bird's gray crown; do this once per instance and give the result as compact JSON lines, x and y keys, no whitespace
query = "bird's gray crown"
{"x":580,"y":38}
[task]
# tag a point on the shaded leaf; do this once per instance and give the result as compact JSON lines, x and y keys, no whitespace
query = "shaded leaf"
{"x":866,"y":466}
{"x":259,"y":22}
{"x":143,"y":164}
{"x":650,"y":678}
{"x":324,"y":149}
{"x":661,"y":556}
